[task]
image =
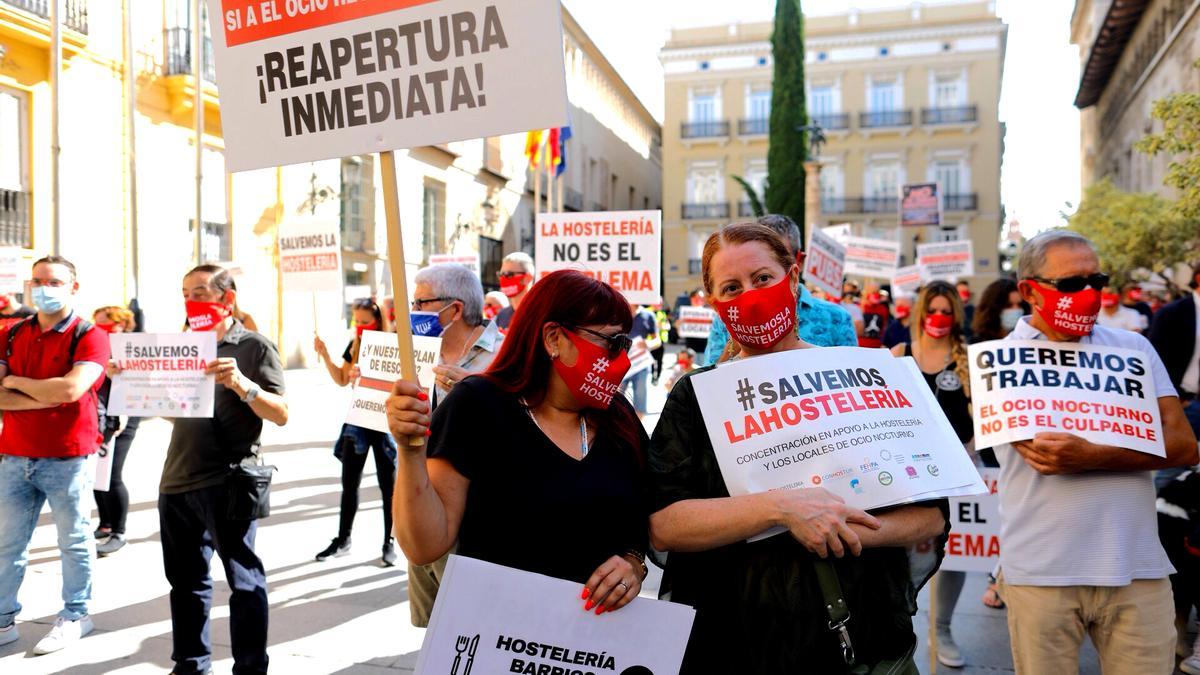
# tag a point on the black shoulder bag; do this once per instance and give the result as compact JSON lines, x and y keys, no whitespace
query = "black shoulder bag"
{"x":839,"y":616}
{"x":247,"y":485}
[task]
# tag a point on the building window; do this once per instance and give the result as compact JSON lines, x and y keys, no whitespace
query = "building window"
{"x":832,"y":181}
{"x":705,"y":183}
{"x":215,"y":243}
{"x":950,"y":233}
{"x":704,"y":106}
{"x":885,"y":93}
{"x":758,"y":101}
{"x":948,"y":90}
{"x":433,"y":217}
{"x":950,"y":176}
{"x":178,"y":41}
{"x":15,"y":226}
{"x":357,"y":198}
{"x":882,"y":184}
{"x":883,"y":51}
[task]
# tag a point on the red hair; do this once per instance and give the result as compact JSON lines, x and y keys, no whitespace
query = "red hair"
{"x":522,"y":367}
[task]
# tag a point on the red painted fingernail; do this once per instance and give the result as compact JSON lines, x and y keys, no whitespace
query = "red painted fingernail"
{"x":585,"y":594}
{"x":428,"y":433}
{"x":599,"y":610}
{"x":422,"y":396}
{"x":589,"y":605}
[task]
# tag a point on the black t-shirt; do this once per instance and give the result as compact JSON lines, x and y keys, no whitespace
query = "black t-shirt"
{"x":530,"y":506}
{"x":505,"y":317}
{"x":202,"y":449}
{"x":759,"y":606}
{"x":954,"y":402}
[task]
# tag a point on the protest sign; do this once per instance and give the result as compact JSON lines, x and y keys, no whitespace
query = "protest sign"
{"x":620,"y":248}
{"x":639,"y":358}
{"x":824,"y":262}
{"x":695,"y":321}
{"x":162,"y":374}
{"x":839,"y":232}
{"x":876,"y":258}
{"x":974,"y":543}
{"x":379,"y":367}
{"x":103,"y":475}
{"x":493,"y":619}
{"x":920,"y":204}
{"x":304,"y":80}
{"x":1104,"y":394}
{"x":858,"y":422}
{"x":310,"y":255}
{"x":13,"y":272}
{"x":906,"y":281}
{"x":946,"y":260}
{"x":470,"y":260}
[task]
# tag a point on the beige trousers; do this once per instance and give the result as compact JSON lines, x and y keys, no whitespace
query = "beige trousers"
{"x":1132,"y":627}
{"x":423,"y":584}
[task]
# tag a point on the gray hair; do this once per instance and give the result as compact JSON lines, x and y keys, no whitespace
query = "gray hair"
{"x":1033,"y":254}
{"x":786,"y":227}
{"x":522,"y":259}
{"x":457,"y":282}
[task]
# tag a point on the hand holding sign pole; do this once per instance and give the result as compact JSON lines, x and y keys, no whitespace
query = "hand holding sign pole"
{"x":391,"y":211}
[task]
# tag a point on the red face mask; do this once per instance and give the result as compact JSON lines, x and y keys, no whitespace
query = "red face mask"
{"x":938,"y":325}
{"x":490,"y":312}
{"x":761,"y":317}
{"x":595,"y":378}
{"x":203,"y":316}
{"x":511,"y":286}
{"x":1135,"y":295}
{"x":359,"y":328}
{"x":874,"y":298}
{"x":106,"y":327}
{"x":1069,"y":313}
{"x":1109,"y":299}
{"x":902,"y":311}
{"x":964,"y":295}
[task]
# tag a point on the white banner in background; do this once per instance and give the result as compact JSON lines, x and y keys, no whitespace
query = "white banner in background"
{"x":948,"y":260}
{"x":695,"y":321}
{"x":310,"y":255}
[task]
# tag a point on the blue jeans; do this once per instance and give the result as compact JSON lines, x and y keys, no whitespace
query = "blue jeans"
{"x":636,"y":383}
{"x":25,"y":485}
{"x":193,"y":524}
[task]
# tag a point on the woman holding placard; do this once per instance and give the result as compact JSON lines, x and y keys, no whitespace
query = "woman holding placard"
{"x":539,"y":463}
{"x":355,"y":442}
{"x":760,"y":606}
{"x":940,"y":350}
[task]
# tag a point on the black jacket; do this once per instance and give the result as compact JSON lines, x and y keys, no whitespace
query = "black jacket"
{"x":1173,"y":334}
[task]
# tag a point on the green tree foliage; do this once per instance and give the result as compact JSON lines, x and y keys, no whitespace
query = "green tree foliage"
{"x":787,"y":150}
{"x":1134,"y":231}
{"x":756,"y":206}
{"x":1180,"y":139}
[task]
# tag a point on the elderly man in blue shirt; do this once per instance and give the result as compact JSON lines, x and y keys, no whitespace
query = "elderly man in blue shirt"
{"x":818,"y":322}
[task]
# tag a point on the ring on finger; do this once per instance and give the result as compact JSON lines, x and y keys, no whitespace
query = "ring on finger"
{"x":623,"y":585}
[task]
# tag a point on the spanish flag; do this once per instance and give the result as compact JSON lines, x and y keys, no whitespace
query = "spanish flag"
{"x":533,"y":148}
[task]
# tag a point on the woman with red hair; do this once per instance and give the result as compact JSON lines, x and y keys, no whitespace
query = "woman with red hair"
{"x":538,"y":464}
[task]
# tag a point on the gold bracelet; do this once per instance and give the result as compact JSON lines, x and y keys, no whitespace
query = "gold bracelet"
{"x":641,"y":561}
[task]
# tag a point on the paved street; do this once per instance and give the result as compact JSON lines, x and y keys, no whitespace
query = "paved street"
{"x":349,"y":615}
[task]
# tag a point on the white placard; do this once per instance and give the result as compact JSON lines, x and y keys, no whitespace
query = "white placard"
{"x":162,"y":374}
{"x":839,"y":232}
{"x":490,"y":619}
{"x":824,"y":262}
{"x":310,"y":255}
{"x":13,"y":272}
{"x":104,"y":461}
{"x":639,"y":358}
{"x":620,"y":248}
{"x":974,"y":543}
{"x":857,"y":422}
{"x":875,"y":258}
{"x":1104,"y":394}
{"x":469,"y":260}
{"x":906,"y":281}
{"x":304,"y":80}
{"x":948,"y":260}
{"x":379,"y":367}
{"x":695,"y":321}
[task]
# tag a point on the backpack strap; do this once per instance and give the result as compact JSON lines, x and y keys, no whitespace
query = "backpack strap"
{"x":12,"y":336}
{"x":81,"y":329}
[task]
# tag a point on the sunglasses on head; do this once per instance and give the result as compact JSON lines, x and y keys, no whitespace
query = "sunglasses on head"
{"x":1077,"y":283}
{"x":616,"y":343}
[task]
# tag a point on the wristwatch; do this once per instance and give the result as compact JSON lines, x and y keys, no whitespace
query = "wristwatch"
{"x":251,"y":394}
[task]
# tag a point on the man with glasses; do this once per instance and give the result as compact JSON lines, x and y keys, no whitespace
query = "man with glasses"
{"x":1081,"y":552}
{"x":452,"y":296}
{"x":52,"y":369}
{"x":516,"y":276}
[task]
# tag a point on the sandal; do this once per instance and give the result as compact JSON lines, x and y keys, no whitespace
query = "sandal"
{"x":991,"y":597}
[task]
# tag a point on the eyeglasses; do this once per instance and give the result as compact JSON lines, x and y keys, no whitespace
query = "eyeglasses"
{"x":418,"y":303}
{"x":616,"y":343}
{"x":1076,"y":283}
{"x":509,"y":275}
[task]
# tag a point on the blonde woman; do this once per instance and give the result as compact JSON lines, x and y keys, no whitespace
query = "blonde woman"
{"x":940,"y":349}
{"x":113,"y":503}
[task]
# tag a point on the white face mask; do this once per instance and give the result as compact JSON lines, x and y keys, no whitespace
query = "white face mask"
{"x":1010,"y":316}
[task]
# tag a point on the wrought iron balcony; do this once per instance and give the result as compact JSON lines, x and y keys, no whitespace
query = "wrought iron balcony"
{"x":694,"y":266}
{"x":965,"y":114}
{"x":14,"y":218}
{"x":859,"y":204}
{"x":710,"y":210}
{"x":967,"y":201}
{"x":745,"y":209}
{"x":885,"y":118}
{"x":713,"y":129}
{"x":831,"y":121}
{"x":179,"y":54}
{"x":754,"y":126}
{"x":74,"y":16}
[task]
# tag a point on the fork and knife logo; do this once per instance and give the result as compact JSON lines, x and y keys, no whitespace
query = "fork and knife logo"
{"x":464,"y":645}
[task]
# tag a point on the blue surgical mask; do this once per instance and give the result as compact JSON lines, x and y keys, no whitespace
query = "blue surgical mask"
{"x":1009,"y":317}
{"x":426,"y":323}
{"x":50,"y":299}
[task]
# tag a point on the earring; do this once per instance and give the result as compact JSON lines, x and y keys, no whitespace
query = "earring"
{"x":554,"y":356}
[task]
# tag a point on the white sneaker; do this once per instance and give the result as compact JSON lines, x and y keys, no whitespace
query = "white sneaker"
{"x":1191,"y":665}
{"x":63,"y":634}
{"x":9,"y":634}
{"x":948,"y":653}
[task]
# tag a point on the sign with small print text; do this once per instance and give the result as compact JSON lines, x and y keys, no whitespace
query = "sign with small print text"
{"x":162,"y":374}
{"x":379,"y":367}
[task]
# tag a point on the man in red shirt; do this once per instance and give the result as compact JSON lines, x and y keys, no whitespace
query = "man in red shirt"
{"x":52,"y":367}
